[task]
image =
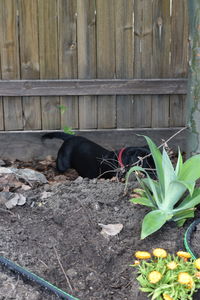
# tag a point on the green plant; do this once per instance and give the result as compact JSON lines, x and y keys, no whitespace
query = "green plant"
{"x":167,"y":196}
{"x":168,"y":277}
{"x":66,"y":129}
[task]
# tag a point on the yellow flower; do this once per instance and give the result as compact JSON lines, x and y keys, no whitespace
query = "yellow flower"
{"x":185,"y":278}
{"x":183,"y":254}
{"x":167,"y":297}
{"x":172,"y":265}
{"x":142,"y":255}
{"x":154,"y":276}
{"x":197,"y":263}
{"x":159,"y":252}
{"x":190,"y":284}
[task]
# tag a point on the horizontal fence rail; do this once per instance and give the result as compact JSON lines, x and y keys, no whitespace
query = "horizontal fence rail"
{"x":93,"y":87}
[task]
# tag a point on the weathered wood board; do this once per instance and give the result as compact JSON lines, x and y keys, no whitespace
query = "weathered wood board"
{"x":14,"y":145}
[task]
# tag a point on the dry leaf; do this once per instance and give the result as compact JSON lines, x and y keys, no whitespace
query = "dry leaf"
{"x":110,"y":229}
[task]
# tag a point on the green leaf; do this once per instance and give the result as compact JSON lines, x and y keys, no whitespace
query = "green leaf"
{"x":153,"y":221}
{"x":62,"y":108}
{"x":133,"y":169}
{"x":146,"y":289}
{"x":143,"y":183}
{"x":168,"y":170}
{"x":157,"y":157}
{"x":175,"y":191}
{"x":190,"y":169}
{"x":188,"y":185}
{"x":68,"y":130}
{"x":184,"y":214}
{"x":180,"y":223}
{"x":157,"y":197}
{"x":179,"y":163}
{"x":142,"y":201}
{"x":190,"y":201}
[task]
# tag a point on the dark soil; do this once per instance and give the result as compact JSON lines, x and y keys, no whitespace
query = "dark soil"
{"x":195,"y":241}
{"x":57,"y":236}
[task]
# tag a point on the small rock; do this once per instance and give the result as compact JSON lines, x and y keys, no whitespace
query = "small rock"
{"x":90,"y":277}
{"x":47,"y":187}
{"x":93,"y":180}
{"x":4,"y":170}
{"x":14,"y":200}
{"x":4,"y":196}
{"x":26,"y":174}
{"x":31,"y":175}
{"x":45,"y":195}
{"x":79,"y":179}
{"x":59,"y":220}
{"x":81,"y":285}
{"x":25,"y":187}
{"x":97,"y":206}
{"x":72,"y":273}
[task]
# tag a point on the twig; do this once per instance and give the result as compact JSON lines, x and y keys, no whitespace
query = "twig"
{"x":61,"y":266}
{"x":148,"y":155}
{"x":169,"y":139}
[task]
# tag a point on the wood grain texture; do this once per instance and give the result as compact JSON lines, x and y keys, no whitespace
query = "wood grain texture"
{"x":179,"y":57}
{"x":68,"y":65}
{"x":29,"y":57}
{"x":1,"y":103}
{"x":110,"y":139}
{"x":106,"y":54}
{"x":86,"y":36}
{"x":161,"y":59}
{"x":124,"y":59}
{"x":142,"y":59}
{"x":48,"y":51}
{"x":10,"y":68}
{"x":93,"y":87}
{"x":97,"y":58}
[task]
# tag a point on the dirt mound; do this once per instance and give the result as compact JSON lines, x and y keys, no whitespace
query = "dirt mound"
{"x":57,"y":236}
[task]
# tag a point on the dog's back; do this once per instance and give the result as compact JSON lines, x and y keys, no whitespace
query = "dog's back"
{"x":57,"y":135}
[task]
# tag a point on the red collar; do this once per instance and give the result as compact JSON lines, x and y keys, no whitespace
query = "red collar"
{"x":119,"y":158}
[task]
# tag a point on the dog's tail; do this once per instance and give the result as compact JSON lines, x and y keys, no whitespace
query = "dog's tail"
{"x":57,"y":135}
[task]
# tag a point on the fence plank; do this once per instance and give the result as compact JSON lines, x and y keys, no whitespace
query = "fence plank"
{"x":142,"y":59}
{"x":161,"y":59}
{"x":1,"y":103}
{"x":29,"y":56}
{"x":1,"y":115}
{"x":67,"y":22}
{"x":86,"y":36}
{"x":110,"y":139}
{"x":48,"y":48}
{"x":179,"y":54}
{"x":177,"y":110}
{"x":124,"y":58}
{"x":93,"y":87}
{"x":10,"y":61}
{"x":106,"y":60}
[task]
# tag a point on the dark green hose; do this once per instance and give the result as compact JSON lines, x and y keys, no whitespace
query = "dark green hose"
{"x":187,"y":238}
{"x":31,"y":276}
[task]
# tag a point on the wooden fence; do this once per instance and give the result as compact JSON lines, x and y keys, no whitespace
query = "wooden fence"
{"x":97,"y":58}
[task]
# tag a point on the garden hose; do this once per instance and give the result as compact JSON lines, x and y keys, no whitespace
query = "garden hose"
{"x":187,"y":237}
{"x":31,"y":276}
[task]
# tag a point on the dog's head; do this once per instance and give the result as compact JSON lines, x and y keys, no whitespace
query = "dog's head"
{"x":133,"y":156}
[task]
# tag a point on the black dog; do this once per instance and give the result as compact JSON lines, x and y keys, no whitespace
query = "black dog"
{"x":91,"y":160}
